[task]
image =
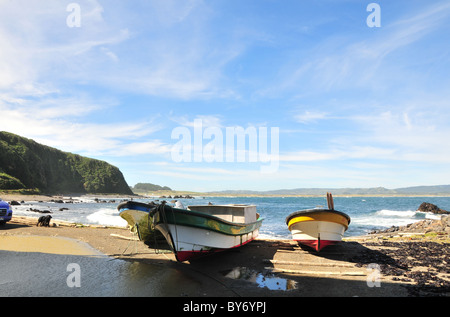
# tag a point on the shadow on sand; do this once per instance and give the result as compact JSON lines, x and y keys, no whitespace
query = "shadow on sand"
{"x":257,"y":269}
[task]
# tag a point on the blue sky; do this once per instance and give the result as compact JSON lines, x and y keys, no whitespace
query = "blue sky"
{"x":355,"y":106}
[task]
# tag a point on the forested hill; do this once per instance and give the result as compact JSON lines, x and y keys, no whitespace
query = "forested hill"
{"x":26,"y":164}
{"x":148,"y":187}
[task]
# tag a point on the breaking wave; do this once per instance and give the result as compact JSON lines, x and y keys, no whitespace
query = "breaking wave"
{"x":108,"y":217}
{"x":396,"y":213}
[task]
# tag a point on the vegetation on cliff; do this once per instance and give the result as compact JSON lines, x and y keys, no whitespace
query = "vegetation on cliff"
{"x":26,"y":164}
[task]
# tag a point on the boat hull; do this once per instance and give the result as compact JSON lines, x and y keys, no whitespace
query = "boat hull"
{"x":318,"y":228}
{"x":192,"y":234}
{"x":137,"y":216}
{"x":190,"y":243}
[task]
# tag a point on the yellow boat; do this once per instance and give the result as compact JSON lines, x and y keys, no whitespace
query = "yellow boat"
{"x":318,"y":228}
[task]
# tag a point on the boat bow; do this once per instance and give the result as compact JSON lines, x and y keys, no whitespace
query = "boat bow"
{"x":318,"y":228}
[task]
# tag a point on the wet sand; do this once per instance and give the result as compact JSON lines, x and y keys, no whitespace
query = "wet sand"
{"x":376,"y":265}
{"x":48,"y":245}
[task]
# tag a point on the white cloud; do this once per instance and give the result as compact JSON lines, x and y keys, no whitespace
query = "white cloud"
{"x":58,"y":122}
{"x":339,"y":154}
{"x":174,"y":50}
{"x":369,"y":62}
{"x":310,"y":116}
{"x":154,"y":147}
{"x":206,"y":120}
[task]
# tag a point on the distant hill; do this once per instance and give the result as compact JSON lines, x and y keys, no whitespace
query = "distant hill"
{"x":416,"y":190}
{"x":434,"y":190}
{"x":26,"y":164}
{"x":148,"y":187}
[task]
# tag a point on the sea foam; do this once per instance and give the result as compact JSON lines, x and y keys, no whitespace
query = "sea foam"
{"x":107,"y":217}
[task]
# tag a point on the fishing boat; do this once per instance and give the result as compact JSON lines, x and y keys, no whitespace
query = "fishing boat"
{"x":137,"y":215}
{"x":197,"y":230}
{"x":318,"y":228}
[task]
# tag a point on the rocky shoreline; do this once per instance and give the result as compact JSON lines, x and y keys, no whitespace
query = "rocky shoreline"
{"x":423,"y":226}
{"x":417,"y":254}
{"x":421,"y":262}
{"x":440,"y":226}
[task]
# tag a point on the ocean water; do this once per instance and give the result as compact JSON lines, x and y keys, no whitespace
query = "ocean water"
{"x":367,"y":213}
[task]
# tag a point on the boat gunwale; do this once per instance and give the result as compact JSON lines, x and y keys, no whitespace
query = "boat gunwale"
{"x":125,"y":204}
{"x":190,"y":213}
{"x":312,"y":211}
{"x":235,"y":229}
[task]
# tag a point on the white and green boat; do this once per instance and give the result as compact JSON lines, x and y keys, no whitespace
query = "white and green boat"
{"x":197,"y":230}
{"x":137,"y":214}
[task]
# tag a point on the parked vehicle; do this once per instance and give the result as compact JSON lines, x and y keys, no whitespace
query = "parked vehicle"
{"x":5,"y":212}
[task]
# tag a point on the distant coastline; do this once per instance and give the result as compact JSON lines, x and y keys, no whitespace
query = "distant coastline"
{"x":371,"y":191}
{"x":427,"y":191}
{"x":222,"y":194}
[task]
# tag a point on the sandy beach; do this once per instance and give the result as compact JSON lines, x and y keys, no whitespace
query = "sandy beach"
{"x":399,"y":264}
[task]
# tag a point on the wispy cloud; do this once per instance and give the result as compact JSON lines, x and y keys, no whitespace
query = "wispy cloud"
{"x":338,"y":63}
{"x":59,"y":122}
{"x":206,"y":120}
{"x":40,"y":46}
{"x":310,"y":116}
{"x":416,"y":135}
{"x":372,"y":100}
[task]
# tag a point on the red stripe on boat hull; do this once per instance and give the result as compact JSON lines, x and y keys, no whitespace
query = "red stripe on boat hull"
{"x":317,"y":244}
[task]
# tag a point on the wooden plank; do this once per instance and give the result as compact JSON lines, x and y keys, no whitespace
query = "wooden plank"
{"x":123,"y":237}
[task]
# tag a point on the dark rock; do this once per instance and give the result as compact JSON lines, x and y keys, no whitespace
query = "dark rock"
{"x":407,"y":262}
{"x":14,"y":203}
{"x":41,"y":211}
{"x":427,"y":207}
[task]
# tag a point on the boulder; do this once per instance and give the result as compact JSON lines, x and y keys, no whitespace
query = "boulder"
{"x":427,"y":207}
{"x":40,"y":211}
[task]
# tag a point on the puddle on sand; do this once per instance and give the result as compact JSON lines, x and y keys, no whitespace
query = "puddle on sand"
{"x":262,"y":280}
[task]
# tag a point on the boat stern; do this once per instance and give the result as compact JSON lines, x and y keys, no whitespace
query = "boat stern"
{"x":318,"y":228}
